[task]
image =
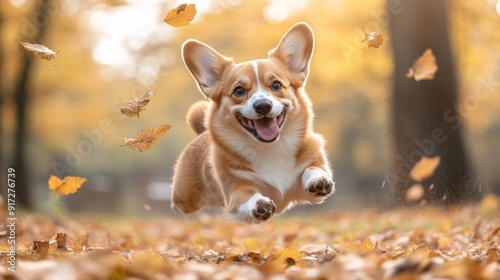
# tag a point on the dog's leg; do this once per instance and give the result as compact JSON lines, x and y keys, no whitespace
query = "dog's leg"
{"x":248,"y":205}
{"x":317,"y":183}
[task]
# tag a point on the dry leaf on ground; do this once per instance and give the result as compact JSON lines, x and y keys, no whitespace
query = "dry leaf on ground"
{"x":424,"y":168}
{"x":68,"y":185}
{"x":43,"y":51}
{"x":137,"y":104}
{"x":417,"y":243}
{"x":147,"y":138}
{"x":372,"y":39}
{"x":181,"y":15}
{"x":424,"y":67}
{"x":60,"y":239}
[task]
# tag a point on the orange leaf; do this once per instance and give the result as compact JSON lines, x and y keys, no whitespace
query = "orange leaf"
{"x":68,"y":185}
{"x":424,"y":168}
{"x":181,"y":15}
{"x":373,"y":40}
{"x":147,"y":138}
{"x":424,"y":67}
{"x":137,"y":104}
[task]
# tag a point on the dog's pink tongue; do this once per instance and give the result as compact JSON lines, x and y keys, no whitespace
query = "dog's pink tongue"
{"x":267,"y":128}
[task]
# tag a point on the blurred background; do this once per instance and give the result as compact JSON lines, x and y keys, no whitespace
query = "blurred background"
{"x":62,"y":117}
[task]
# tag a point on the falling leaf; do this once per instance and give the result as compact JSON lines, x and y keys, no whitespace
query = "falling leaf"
{"x":147,"y":138}
{"x":415,"y":192}
{"x":43,"y":51}
{"x":372,"y":39}
{"x":68,"y":185}
{"x":424,"y":67}
{"x":181,"y":15}
{"x":137,"y":104}
{"x":424,"y":168}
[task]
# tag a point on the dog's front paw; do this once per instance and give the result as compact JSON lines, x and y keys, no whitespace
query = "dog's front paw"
{"x":263,"y":210}
{"x":320,"y":186}
{"x":257,"y":209}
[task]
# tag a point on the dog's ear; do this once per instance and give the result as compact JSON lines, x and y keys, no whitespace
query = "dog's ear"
{"x":295,"y":50}
{"x":206,"y":65}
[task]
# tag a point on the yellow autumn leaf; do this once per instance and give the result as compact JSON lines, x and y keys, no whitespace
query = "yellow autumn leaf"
{"x":366,"y":246}
{"x":181,"y":15}
{"x":424,"y":68}
{"x":424,"y":168}
{"x":147,"y":138}
{"x":68,"y":185}
{"x":372,"y":39}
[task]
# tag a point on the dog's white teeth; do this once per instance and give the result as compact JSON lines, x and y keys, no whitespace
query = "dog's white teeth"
{"x":251,"y":124}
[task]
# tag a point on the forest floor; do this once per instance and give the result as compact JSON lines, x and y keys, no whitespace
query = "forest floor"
{"x":417,"y":243}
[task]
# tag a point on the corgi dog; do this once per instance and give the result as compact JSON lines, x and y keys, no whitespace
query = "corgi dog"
{"x":256,"y":153}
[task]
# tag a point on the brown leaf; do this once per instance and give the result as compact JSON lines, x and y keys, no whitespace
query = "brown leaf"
{"x":424,"y":67}
{"x":147,"y":138}
{"x":373,"y":40}
{"x":137,"y":104}
{"x":61,"y":240}
{"x":424,"y":168}
{"x":41,"y":247}
{"x":181,"y":15}
{"x":43,"y":51}
{"x":68,"y":185}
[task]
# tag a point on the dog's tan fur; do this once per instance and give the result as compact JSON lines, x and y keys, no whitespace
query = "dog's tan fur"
{"x":226,"y":166}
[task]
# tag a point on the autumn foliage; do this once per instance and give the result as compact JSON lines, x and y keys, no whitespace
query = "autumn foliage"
{"x":420,"y":243}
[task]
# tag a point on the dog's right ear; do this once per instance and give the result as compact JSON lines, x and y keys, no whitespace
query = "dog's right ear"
{"x":206,"y":65}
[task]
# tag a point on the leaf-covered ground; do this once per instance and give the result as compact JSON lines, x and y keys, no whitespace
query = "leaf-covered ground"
{"x":423,"y":243}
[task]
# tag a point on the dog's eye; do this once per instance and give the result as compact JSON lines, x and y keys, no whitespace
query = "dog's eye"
{"x":239,"y":91}
{"x":276,"y":86}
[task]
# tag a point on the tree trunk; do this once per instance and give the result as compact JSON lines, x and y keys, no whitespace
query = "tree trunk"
{"x":23,"y":191}
{"x":3,"y":169}
{"x":421,"y":120}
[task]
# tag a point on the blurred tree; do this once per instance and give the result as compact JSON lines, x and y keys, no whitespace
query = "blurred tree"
{"x":41,"y":18}
{"x":420,"y":125}
{"x":2,"y":93}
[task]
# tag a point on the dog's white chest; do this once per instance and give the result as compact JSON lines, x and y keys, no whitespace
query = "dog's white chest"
{"x":277,"y":170}
{"x":276,"y":165}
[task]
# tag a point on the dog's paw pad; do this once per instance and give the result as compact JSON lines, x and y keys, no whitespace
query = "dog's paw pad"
{"x":263,"y":210}
{"x":320,"y":187}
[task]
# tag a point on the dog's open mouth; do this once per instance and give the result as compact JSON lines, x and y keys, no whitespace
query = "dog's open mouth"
{"x":264,"y":129}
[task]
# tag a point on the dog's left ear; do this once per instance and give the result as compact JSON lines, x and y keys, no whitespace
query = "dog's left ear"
{"x":295,"y":50}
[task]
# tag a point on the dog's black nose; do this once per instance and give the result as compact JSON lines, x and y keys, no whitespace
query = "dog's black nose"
{"x":263,"y":107}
